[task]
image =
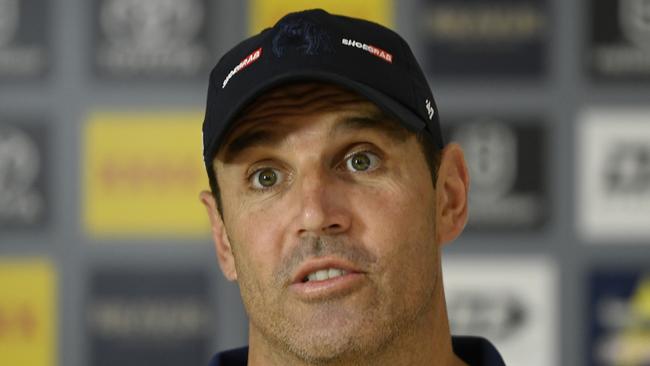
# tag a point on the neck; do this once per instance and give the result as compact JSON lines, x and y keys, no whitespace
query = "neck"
{"x":426,"y":342}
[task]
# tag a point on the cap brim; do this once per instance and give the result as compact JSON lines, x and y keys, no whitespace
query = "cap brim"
{"x":404,"y":115}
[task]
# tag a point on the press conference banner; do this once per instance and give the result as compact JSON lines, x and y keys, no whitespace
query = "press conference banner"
{"x":510,"y":300}
{"x":28,"y":312}
{"x":507,"y":165}
{"x":138,"y":317}
{"x":619,"y":40}
{"x":613,"y":175}
{"x":152,"y":39}
{"x":23,"y":174}
{"x":264,"y":13}
{"x":618,"y":328}
{"x":487,"y":38}
{"x":24,"y":26}
{"x":142,"y":174}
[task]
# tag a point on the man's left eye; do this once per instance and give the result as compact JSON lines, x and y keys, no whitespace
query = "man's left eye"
{"x":362,"y":162}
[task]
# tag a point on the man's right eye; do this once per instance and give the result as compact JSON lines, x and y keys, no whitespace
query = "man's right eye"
{"x":265,"y":178}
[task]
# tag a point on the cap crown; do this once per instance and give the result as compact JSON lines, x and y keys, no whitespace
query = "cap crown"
{"x":314,"y":45}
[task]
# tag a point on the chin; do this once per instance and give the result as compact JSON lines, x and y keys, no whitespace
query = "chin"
{"x":336,"y":344}
{"x":327,"y":350}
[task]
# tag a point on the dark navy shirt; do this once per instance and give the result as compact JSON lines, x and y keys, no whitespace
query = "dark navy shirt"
{"x":474,"y":351}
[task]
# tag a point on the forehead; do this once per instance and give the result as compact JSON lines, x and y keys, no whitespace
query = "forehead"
{"x":298,"y":99}
{"x":263,"y":119}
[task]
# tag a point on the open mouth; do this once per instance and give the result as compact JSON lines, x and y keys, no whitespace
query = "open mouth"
{"x":324,"y":274}
{"x":326,"y":278}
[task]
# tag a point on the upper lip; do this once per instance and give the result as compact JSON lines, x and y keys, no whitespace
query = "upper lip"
{"x":316,"y":264}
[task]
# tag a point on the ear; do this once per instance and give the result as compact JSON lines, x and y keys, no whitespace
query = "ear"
{"x":220,"y":237}
{"x":452,"y":188}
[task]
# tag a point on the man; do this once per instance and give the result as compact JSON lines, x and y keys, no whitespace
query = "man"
{"x":332,"y":194}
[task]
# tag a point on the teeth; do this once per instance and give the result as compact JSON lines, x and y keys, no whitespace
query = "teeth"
{"x":325,"y":274}
{"x":322,"y":275}
{"x":333,"y":272}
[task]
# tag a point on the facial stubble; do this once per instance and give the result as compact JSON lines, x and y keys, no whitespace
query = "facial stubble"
{"x":339,"y":330}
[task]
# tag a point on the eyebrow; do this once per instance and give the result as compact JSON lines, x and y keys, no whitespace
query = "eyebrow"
{"x":268,"y":137}
{"x":245,"y":141}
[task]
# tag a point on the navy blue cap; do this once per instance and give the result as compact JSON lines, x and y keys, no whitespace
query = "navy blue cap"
{"x":314,"y":45}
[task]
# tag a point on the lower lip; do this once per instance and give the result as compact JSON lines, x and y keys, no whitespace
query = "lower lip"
{"x":326,"y":289}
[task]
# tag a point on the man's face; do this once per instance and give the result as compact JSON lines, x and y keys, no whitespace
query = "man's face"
{"x":330,"y":216}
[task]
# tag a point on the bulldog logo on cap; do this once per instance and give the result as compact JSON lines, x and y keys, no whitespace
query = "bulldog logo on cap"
{"x":302,"y":35}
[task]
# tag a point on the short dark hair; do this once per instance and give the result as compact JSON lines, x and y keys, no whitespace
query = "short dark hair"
{"x":431,"y":152}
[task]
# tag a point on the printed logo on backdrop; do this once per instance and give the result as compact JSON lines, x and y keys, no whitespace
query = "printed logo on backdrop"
{"x":156,"y":39}
{"x":485,"y":38}
{"x":620,"y":39}
{"x":162,"y":318}
{"x":510,"y":301}
{"x":619,"y":318}
{"x":22,"y":179}
{"x":27,"y":313}
{"x":495,"y":315}
{"x":8,"y":20}
{"x":506,"y":165}
{"x":22,"y":38}
{"x":142,"y":172}
{"x":265,"y":13}
{"x":627,"y":169}
{"x":614,"y":175}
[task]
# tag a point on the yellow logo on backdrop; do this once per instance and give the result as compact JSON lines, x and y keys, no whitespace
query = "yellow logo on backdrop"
{"x":264,"y":13}
{"x":635,"y":337}
{"x":27,"y":313}
{"x":142,"y":174}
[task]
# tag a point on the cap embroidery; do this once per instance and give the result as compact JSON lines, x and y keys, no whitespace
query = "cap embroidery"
{"x":245,"y":62}
{"x":303,"y":36}
{"x":369,"y":48}
{"x":430,"y":110}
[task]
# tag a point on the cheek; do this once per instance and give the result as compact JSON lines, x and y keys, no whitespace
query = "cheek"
{"x":400,"y":207}
{"x":257,"y":239}
{"x":398,"y":224}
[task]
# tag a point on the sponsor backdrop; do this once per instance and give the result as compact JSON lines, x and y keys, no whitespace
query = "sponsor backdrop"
{"x":105,"y":253}
{"x":517,"y":313}
{"x":24,"y":43}
{"x":478,"y":38}
{"x":23,"y":174}
{"x":135,"y":186}
{"x":614,"y":178}
{"x":507,"y":166}
{"x":28,"y":311}
{"x":163,"y":39}
{"x":159,"y":317}
{"x":619,"y":47}
{"x":619,"y":310}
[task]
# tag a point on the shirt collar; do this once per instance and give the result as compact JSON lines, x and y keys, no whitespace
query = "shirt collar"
{"x":474,"y":351}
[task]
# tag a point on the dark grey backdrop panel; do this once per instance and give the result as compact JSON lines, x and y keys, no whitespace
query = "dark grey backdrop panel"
{"x":24,"y":39}
{"x":24,"y":201}
{"x":149,"y":40}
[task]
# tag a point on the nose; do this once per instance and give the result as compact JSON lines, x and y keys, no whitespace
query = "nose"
{"x":322,"y":206}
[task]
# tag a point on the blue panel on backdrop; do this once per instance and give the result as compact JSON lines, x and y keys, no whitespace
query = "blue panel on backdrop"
{"x":619,"y":318}
{"x":154,"y":317}
{"x":493,"y":38}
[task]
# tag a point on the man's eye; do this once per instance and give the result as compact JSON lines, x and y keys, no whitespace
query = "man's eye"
{"x":362,"y":161}
{"x":265,"y":178}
